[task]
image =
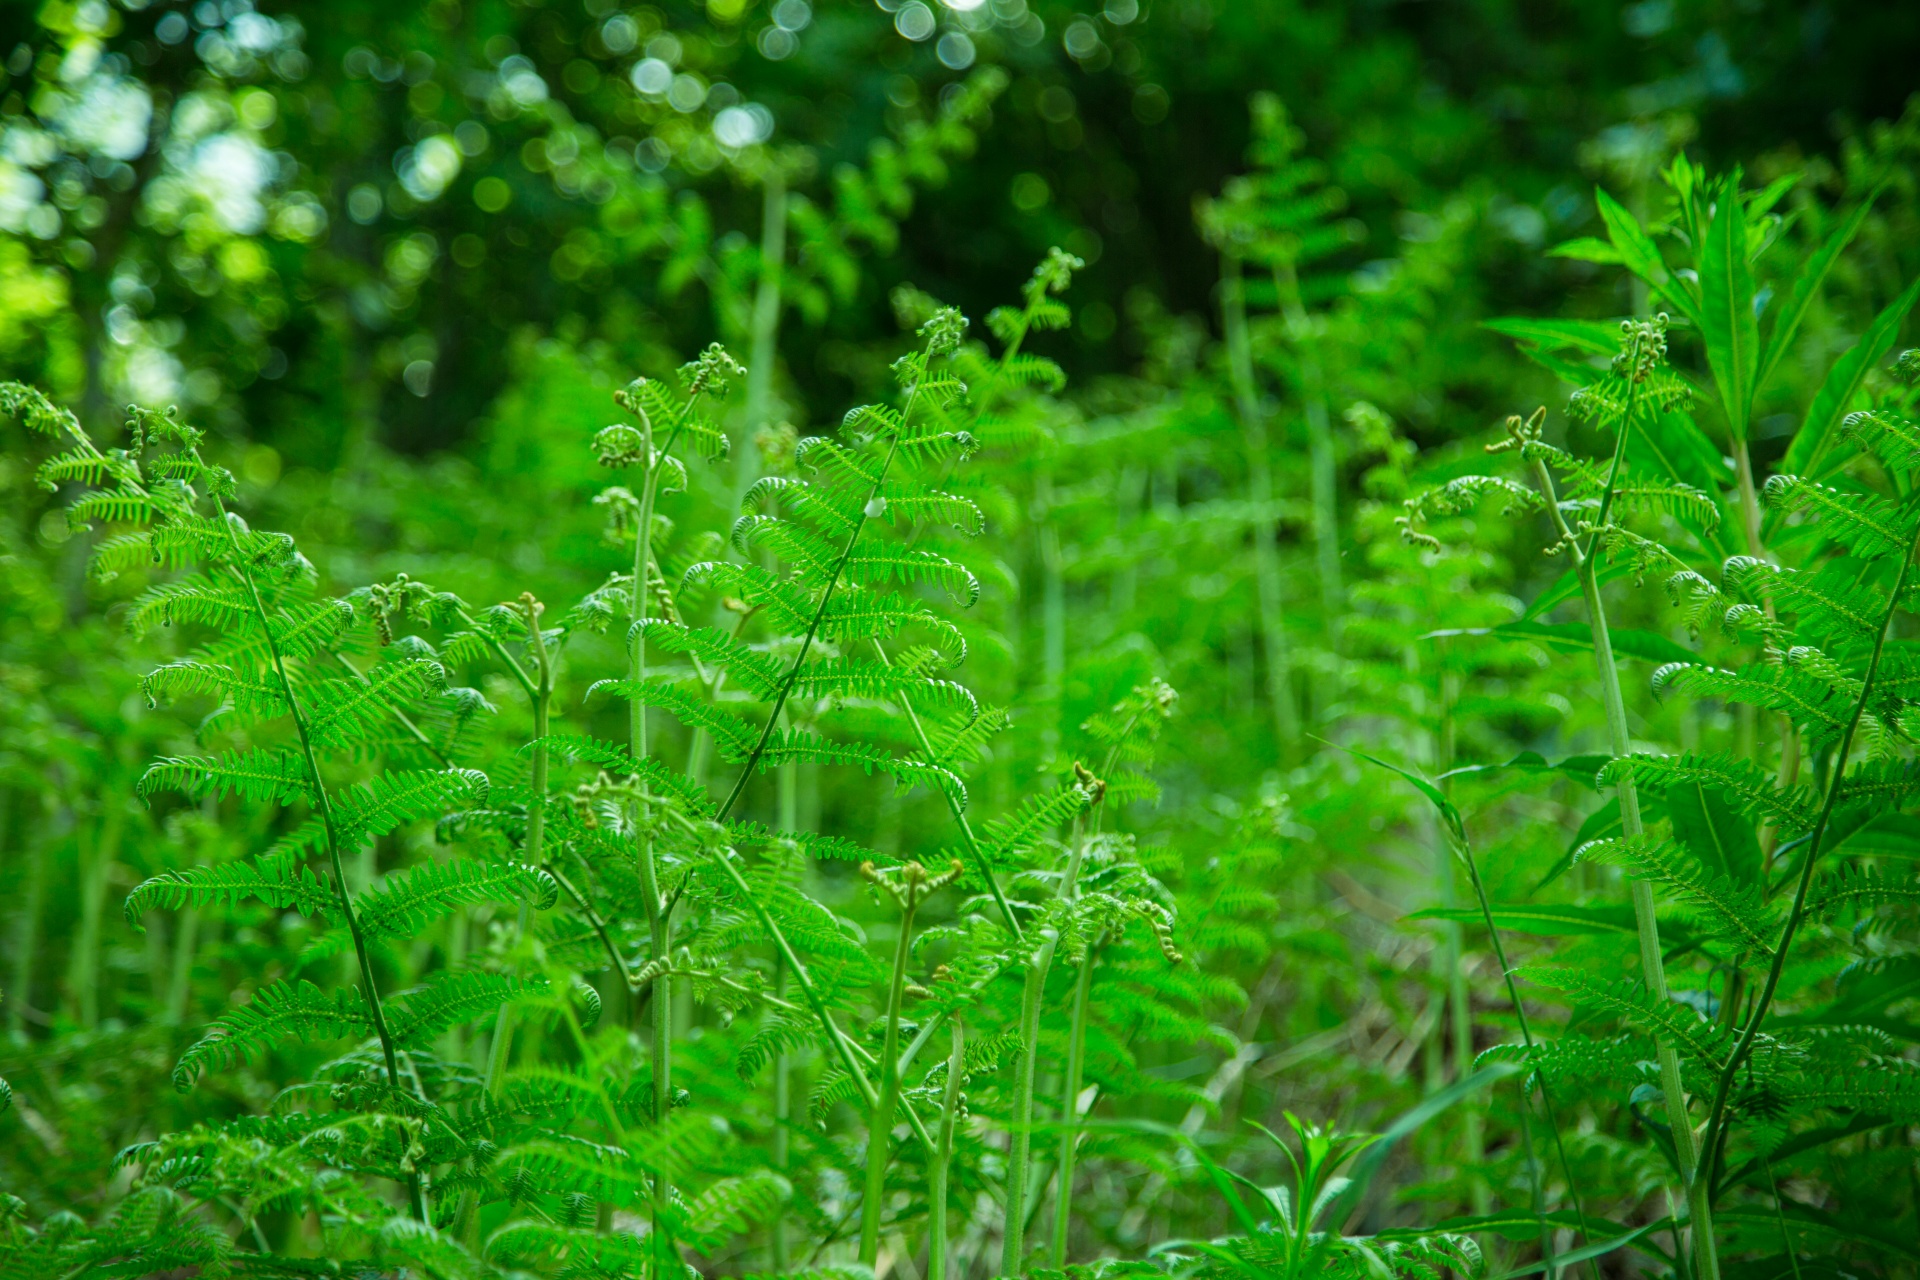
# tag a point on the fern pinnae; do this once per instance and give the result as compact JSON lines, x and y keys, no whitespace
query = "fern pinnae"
{"x":1716,"y":1118}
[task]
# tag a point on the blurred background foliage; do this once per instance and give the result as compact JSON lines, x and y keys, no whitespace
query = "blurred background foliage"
{"x":395,"y":256}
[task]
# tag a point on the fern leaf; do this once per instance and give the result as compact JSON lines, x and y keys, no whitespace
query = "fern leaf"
{"x":390,"y":800}
{"x":1739,"y":910}
{"x":281,"y":879}
{"x":875,"y":680}
{"x":276,"y":1012}
{"x":404,"y":903}
{"x":787,"y":606}
{"x":662,"y":778}
{"x":931,"y":506}
{"x":1829,"y":602}
{"x":805,"y":745}
{"x":836,"y":462}
{"x":757,"y":671}
{"x":730,"y":1206}
{"x":870,"y":615}
{"x":1891,"y":437}
{"x":1866,"y":524}
{"x":1853,"y":887}
{"x":1810,"y":702}
{"x":1634,"y":1004}
{"x":814,"y":503}
{"x":914,"y":565}
{"x":1746,"y":786}
{"x":734,"y":739}
{"x":338,"y":711}
{"x":791,"y":542}
{"x":1008,"y":839}
{"x":454,"y":998}
{"x":256,"y":774}
{"x":223,"y":605}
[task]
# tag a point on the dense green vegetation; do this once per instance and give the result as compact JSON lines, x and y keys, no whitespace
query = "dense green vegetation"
{"x":959,"y":638}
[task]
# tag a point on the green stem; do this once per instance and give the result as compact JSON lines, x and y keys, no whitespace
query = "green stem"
{"x":763,"y":345}
{"x":937,"y":1244}
{"x":1324,"y":481}
{"x":1013,"y":1236}
{"x":1266,"y":551}
{"x":1070,"y":1107}
{"x":1646,"y":925}
{"x":880,"y":1128}
{"x":782,"y":1117}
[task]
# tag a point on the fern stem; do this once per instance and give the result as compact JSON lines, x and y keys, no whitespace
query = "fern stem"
{"x":1266,"y":552}
{"x":1070,"y":1106}
{"x":763,"y":346}
{"x":1013,"y":1236}
{"x":1324,"y":479}
{"x":343,"y":899}
{"x":937,"y":1243}
{"x":1619,"y":742}
{"x":1526,"y":1038}
{"x":880,"y":1128}
{"x":1723,"y":1087}
{"x":972,"y":842}
{"x":782,"y":1117}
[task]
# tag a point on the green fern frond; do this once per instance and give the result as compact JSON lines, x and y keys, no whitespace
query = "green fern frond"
{"x":454,"y":998}
{"x":812,"y":554}
{"x":256,"y":774}
{"x":118,"y":506}
{"x":407,"y":901}
{"x":840,"y":465}
{"x":1747,"y":787}
{"x":1864,"y":523}
{"x":1828,"y":601}
{"x":782,"y":1034}
{"x":1821,"y":708}
{"x":1024,"y":370}
{"x":1891,"y":437}
{"x":809,"y":747}
{"x":848,"y":676}
{"x":1006,"y":840}
{"x":786,"y":604}
{"x":210,"y":602}
{"x":829,"y":510}
{"x":338,"y":711}
{"x":661,"y":778}
{"x":754,"y":669}
{"x":1681,"y":501}
{"x":909,"y":565}
{"x":730,"y":1206}
{"x":1739,"y":911}
{"x":280,"y":879}
{"x":1632,"y":1003}
{"x":276,"y":1012}
{"x":1857,"y":888}
{"x":733,"y":737}
{"x":390,"y":800}
{"x":253,"y":697}
{"x":872,"y":615}
{"x":933,"y":507}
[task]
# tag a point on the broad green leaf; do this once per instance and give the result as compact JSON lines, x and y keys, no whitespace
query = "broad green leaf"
{"x":1600,"y":337}
{"x":1805,"y":286}
{"x":1726,"y":312}
{"x":1887,"y":835}
{"x":1577,"y":637}
{"x":1427,"y":789}
{"x":1553,"y":920}
{"x":1588,"y":249}
{"x":1598,"y":1248}
{"x":1817,"y":448}
{"x":1635,"y":247}
{"x":1709,"y":828}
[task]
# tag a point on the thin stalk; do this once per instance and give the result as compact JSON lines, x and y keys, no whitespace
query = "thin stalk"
{"x":1647,"y":926}
{"x":1053,"y":614}
{"x":1266,"y":551}
{"x":937,"y":1244}
{"x":1013,"y":1237}
{"x":1323,"y":480}
{"x":27,"y":938}
{"x":186,"y":941}
{"x":782,"y":1117}
{"x":974,"y":852}
{"x":763,"y":343}
{"x":322,"y":801}
{"x":1723,"y":1087}
{"x":1452,"y":949}
{"x":1526,"y":1038}
{"x":1070,"y":1106}
{"x":880,"y":1128}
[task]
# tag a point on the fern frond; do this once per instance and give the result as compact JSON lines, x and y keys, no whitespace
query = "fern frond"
{"x":733,"y":737}
{"x":821,"y":505}
{"x":453,"y":998}
{"x":871,"y":615}
{"x":907,"y":565}
{"x":663,"y":779}
{"x":407,"y":901}
{"x":280,"y":879}
{"x":1891,"y":437}
{"x":790,"y":542}
{"x":276,"y":1012}
{"x":933,"y":507}
{"x":1818,"y":706}
{"x":1634,"y":1004}
{"x":1739,"y":910}
{"x":338,"y":711}
{"x":838,"y":463}
{"x":1857,"y":888}
{"x":390,"y":800}
{"x":1007,"y":839}
{"x":787,"y":606}
{"x":848,"y":676}
{"x":730,"y":1206}
{"x":115,"y":506}
{"x":756,"y":670}
{"x":1829,"y":601}
{"x":222,"y":604}
{"x":1747,"y":787}
{"x":1866,"y":524}
{"x":1681,"y":501}
{"x":810,"y":747}
{"x":256,"y":774}
{"x":253,"y":697}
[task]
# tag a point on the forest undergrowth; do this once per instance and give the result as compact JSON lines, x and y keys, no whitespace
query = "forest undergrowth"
{"x":1204,"y":823}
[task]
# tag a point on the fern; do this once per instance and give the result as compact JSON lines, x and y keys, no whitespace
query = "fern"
{"x":276,"y":1012}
